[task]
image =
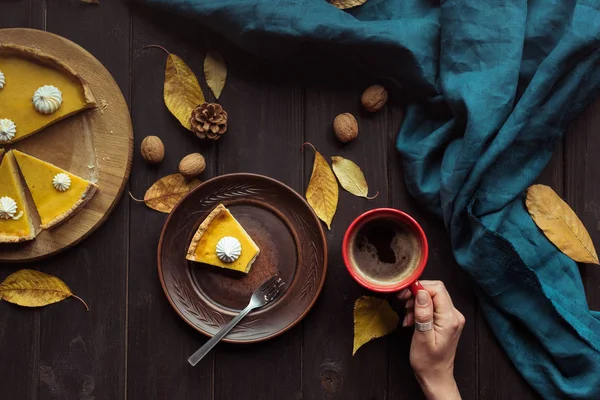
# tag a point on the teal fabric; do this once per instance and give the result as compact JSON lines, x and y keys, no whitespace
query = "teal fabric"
{"x":496,"y":84}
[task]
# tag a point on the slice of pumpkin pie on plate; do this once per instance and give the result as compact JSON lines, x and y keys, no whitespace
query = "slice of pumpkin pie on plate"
{"x":16,"y":223}
{"x":36,"y":90}
{"x":222,"y":241}
{"x":57,"y":194}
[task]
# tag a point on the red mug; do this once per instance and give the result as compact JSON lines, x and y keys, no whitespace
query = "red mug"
{"x":410,"y":281}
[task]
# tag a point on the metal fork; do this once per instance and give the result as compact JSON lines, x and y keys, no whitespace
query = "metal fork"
{"x":265,"y":294}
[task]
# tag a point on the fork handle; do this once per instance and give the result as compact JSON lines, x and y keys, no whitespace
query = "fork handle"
{"x":212,"y":342}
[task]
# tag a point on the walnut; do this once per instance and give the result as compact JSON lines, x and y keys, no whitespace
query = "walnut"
{"x":345,"y":127}
{"x":374,"y":97}
{"x":152,"y":149}
{"x":192,"y":165}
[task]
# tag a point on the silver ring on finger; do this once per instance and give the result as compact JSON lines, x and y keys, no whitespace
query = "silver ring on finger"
{"x":424,"y":326}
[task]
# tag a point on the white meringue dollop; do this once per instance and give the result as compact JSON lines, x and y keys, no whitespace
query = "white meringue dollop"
{"x":2,"y":80}
{"x":61,"y":182}
{"x":8,"y":208}
{"x":229,"y":249}
{"x":8,"y":130}
{"x":47,"y":99}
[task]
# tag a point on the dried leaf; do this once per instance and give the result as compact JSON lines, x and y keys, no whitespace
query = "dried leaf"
{"x":560,"y":224}
{"x":182,"y":92}
{"x":373,"y":318}
{"x":351,"y":177}
{"x":322,"y":191}
{"x":31,"y":288}
{"x":167,"y":191}
{"x":90,"y":1}
{"x":343,"y":4}
{"x":215,"y":72}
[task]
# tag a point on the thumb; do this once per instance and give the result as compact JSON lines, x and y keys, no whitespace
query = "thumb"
{"x":424,"y":314}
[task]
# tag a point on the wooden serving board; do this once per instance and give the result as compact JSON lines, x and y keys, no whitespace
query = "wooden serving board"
{"x":96,"y":144}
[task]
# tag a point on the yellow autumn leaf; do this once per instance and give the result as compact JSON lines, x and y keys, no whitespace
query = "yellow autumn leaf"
{"x":351,"y":177}
{"x":322,"y":191}
{"x":182,"y":92}
{"x":215,"y":72}
{"x":560,"y":224}
{"x":343,"y":4}
{"x":167,"y":191}
{"x":31,"y":288}
{"x":373,"y":318}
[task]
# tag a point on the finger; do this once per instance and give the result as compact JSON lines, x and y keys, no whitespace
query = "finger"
{"x":410,"y":303}
{"x":441,"y":298}
{"x":404,"y":294}
{"x":424,"y":314}
{"x":409,"y":319}
{"x":460,"y":318}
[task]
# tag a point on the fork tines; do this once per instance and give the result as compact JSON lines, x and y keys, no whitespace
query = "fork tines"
{"x":274,"y":290}
{"x":271,"y":288}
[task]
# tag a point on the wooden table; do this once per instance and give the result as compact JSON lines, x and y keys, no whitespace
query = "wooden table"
{"x":133,"y":345}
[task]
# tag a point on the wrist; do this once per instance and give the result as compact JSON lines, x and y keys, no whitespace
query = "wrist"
{"x":440,"y":387}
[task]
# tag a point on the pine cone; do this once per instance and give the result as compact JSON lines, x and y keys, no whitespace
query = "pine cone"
{"x":209,"y":120}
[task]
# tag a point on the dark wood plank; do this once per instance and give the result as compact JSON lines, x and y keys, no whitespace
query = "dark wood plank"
{"x":498,"y":378}
{"x":159,"y":341}
{"x":23,"y":14}
{"x":19,"y":328}
{"x":330,"y":371}
{"x":441,"y":266}
{"x":19,"y":345}
{"x":265,"y":130}
{"x":83,"y":354}
{"x":581,"y":190}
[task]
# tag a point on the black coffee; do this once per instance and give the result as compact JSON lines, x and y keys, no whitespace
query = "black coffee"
{"x":385,"y":252}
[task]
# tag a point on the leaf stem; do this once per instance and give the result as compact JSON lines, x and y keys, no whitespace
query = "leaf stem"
{"x":307,"y":144}
{"x":81,"y":300}
{"x":372,"y":197}
{"x":134,"y":199}
{"x":156,"y":47}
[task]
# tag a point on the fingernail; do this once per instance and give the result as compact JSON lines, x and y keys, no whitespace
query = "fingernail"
{"x":404,"y":322}
{"x":422,"y":298}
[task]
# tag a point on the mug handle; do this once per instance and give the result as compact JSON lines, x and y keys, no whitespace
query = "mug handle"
{"x":415,"y":287}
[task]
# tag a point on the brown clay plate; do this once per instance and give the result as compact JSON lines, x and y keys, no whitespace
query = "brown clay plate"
{"x":292,"y":245}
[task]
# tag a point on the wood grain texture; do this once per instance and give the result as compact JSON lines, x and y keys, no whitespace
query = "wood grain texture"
{"x":132,"y":345}
{"x":19,"y":331}
{"x":104,"y":142}
{"x":83,"y":355}
{"x":159,"y":341}
{"x":265,"y":129}
{"x":330,"y":370}
{"x":581,"y":191}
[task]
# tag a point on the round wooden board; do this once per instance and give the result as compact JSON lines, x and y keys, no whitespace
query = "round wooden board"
{"x":102,"y":151}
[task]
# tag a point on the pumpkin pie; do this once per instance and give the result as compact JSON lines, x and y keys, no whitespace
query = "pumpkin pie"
{"x":221,"y":241}
{"x":57,"y":194}
{"x":30,"y":76}
{"x":16,"y":223}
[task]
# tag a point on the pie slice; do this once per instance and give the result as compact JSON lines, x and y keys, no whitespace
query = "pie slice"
{"x":55,"y":197}
{"x":25,"y":70}
{"x":220,"y":227}
{"x":16,"y":224}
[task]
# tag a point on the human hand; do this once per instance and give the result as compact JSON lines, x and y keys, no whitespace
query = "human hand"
{"x":432,"y":352}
